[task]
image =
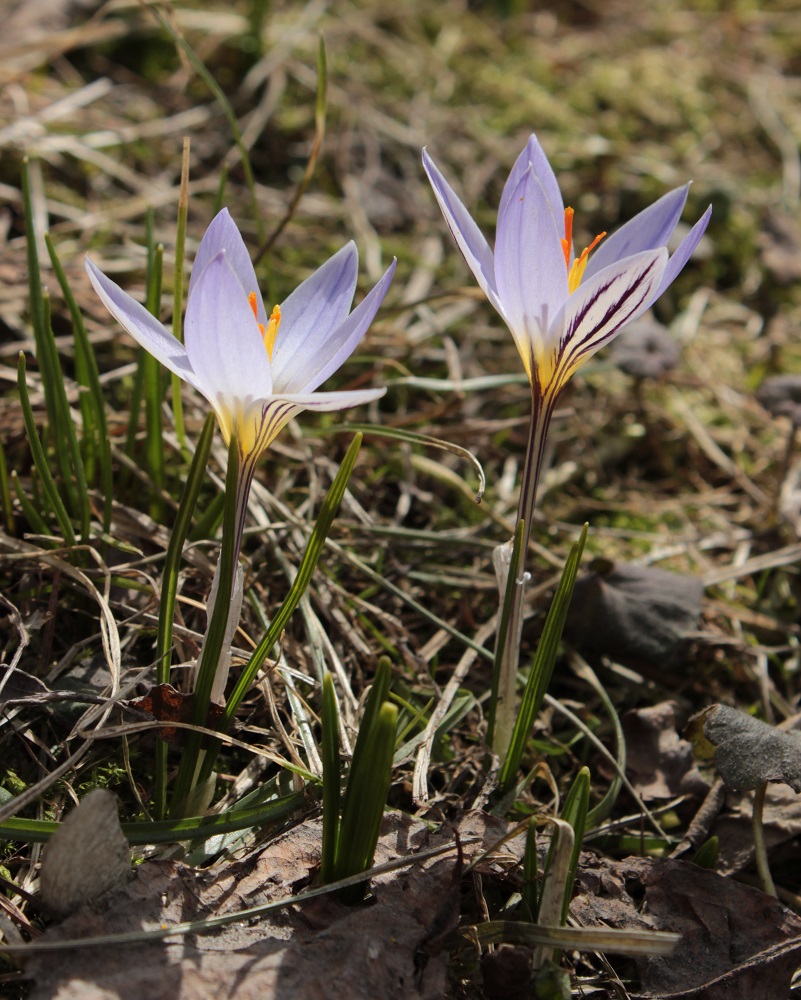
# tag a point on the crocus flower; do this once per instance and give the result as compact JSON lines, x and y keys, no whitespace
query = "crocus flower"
{"x":560,"y":306}
{"x":256,"y":371}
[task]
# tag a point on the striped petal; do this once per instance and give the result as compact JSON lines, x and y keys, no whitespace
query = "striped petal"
{"x":223,"y":340}
{"x":143,"y":326}
{"x":223,"y":234}
{"x":648,"y":230}
{"x":469,"y":238}
{"x":529,"y":264}
{"x":600,"y":308}
{"x":303,"y":370}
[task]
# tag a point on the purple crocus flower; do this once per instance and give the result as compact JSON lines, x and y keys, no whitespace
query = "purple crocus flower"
{"x":559,"y":306}
{"x":256,"y":371}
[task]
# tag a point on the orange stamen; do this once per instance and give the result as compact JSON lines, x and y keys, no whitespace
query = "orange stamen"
{"x":575,"y":271}
{"x":567,"y":242}
{"x":253,"y":302}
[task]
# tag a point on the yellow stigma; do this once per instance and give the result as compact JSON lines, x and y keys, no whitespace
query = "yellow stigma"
{"x":268,"y":335}
{"x":272,"y":331}
{"x":575,"y":271}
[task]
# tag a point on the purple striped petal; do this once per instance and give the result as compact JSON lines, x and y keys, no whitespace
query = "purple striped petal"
{"x":142,"y":326}
{"x":313,"y":311}
{"x":684,"y":252}
{"x":469,"y":238}
{"x":223,"y":340}
{"x":264,"y":419}
{"x":529,"y":263}
{"x":648,"y":230}
{"x":533,"y":154}
{"x":223,"y":234}
{"x":302,"y":371}
{"x":599,"y":309}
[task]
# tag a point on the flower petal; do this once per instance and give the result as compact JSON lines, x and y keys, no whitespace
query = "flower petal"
{"x":648,"y":230}
{"x":325,"y":350}
{"x":533,"y":154}
{"x":599,"y":309}
{"x":469,"y":238}
{"x":529,"y":264}
{"x":258,"y":424}
{"x":313,"y":311}
{"x":223,"y":234}
{"x":223,"y":340}
{"x":684,"y":251}
{"x":143,"y":326}
{"x":324,"y":402}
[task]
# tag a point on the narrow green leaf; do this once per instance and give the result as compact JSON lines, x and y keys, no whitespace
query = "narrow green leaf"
{"x":39,"y":458}
{"x":539,"y":676}
{"x":215,"y":637}
{"x":299,"y":585}
{"x":167,"y":831}
{"x":5,"y":492}
{"x":30,"y":511}
{"x":331,"y":779}
{"x":307,"y":566}
{"x":169,"y":585}
{"x":86,"y":365}
{"x":365,"y":798}
{"x":574,"y":811}
{"x":503,"y":631}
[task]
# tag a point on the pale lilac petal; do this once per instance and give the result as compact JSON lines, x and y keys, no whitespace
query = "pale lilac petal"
{"x":599,"y":309}
{"x":533,"y":154}
{"x":324,"y":402}
{"x":324,"y":352}
{"x":264,"y":419}
{"x":469,"y":238}
{"x":529,"y":263}
{"x":143,"y":326}
{"x":223,"y":234}
{"x":314,"y":309}
{"x":648,"y":230}
{"x":223,"y":340}
{"x":683,"y":252}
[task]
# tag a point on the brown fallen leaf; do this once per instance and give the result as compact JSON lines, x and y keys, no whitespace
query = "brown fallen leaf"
{"x":318,"y":950}
{"x":731,"y":931}
{"x":660,"y":763}
{"x":638,"y":615}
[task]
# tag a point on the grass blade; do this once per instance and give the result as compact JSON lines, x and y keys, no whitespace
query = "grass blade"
{"x":40,"y":459}
{"x":540,"y":674}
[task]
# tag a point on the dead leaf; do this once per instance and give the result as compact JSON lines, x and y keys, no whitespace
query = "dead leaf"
{"x":166,"y":704}
{"x":634,"y":614}
{"x":320,"y":949}
{"x":660,"y":763}
{"x":747,"y":752}
{"x":727,"y":927}
{"x":87,"y":856}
